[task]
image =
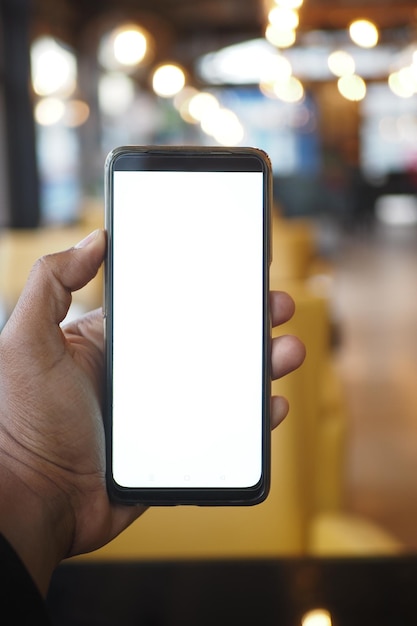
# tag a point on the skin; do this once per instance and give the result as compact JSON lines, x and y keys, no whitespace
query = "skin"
{"x":52,"y":461}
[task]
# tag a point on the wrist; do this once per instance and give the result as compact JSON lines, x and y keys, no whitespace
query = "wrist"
{"x":37,"y":524}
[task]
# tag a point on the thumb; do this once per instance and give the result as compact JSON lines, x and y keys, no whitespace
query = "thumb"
{"x":46,"y":298}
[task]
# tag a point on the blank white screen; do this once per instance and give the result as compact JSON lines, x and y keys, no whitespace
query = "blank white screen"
{"x":187,"y":329}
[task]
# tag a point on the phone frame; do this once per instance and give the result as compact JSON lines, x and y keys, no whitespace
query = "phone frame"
{"x":193,"y":159}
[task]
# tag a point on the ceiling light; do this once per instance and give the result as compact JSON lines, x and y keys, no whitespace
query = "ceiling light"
{"x":399,"y":82}
{"x":278,"y":71}
{"x":54,"y":69}
{"x":283,"y":19}
{"x":240,"y":64}
{"x":130,"y":46}
{"x":168,"y":80}
{"x":224,"y":126}
{"x":290,"y":90}
{"x":201,"y":105}
{"x":280,"y":38}
{"x":124,"y":48}
{"x":341,"y":63}
{"x":279,"y":68}
{"x":352,"y":87}
{"x":182,"y":104}
{"x":364,"y":33}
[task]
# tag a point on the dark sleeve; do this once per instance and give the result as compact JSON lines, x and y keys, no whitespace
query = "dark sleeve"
{"x":20,"y":599}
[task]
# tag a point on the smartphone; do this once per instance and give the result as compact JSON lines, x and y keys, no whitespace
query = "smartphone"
{"x":187,"y":325}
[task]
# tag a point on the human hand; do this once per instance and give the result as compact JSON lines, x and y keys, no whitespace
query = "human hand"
{"x":52,"y":459}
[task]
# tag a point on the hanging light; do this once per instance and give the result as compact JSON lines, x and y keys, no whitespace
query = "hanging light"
{"x":279,"y":37}
{"x":341,"y":63}
{"x":283,"y":18}
{"x":54,"y":69}
{"x":124,"y":48}
{"x":352,"y":87}
{"x":364,"y":33}
{"x":402,"y":83}
{"x":168,"y":80}
{"x":277,"y":68}
{"x":202,"y":104}
{"x":129,"y":46}
{"x":290,"y":90}
{"x":224,"y":126}
{"x":182,"y":102}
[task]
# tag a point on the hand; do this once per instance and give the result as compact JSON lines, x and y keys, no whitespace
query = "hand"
{"x":52,"y":459}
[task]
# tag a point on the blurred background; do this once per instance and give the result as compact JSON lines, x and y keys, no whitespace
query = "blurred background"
{"x":329,"y":89}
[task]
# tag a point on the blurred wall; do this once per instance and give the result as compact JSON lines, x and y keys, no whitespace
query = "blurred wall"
{"x":4,"y":201}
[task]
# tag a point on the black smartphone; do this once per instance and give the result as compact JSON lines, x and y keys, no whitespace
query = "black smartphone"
{"x":187,"y":325}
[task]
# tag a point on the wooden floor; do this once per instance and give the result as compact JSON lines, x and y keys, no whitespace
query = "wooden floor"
{"x":374,"y":299}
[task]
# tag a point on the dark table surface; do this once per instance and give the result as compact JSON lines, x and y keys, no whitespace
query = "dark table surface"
{"x":357,"y":591}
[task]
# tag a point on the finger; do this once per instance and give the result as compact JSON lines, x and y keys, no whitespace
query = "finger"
{"x":282,"y":307}
{"x":279,"y":410}
{"x":287,"y":354}
{"x":46,"y":297}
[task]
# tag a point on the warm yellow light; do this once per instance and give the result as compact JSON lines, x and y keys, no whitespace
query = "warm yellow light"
{"x":341,"y":63}
{"x":54,"y":68}
{"x":49,"y":111}
{"x":290,"y":90}
{"x":184,"y":96}
{"x":124,"y":48}
{"x":317,"y":617}
{"x":289,"y":4}
{"x":267,"y":88}
{"x":77,"y":113}
{"x":283,"y":19}
{"x":408,"y":76}
{"x":201,"y":105}
{"x":278,"y":68}
{"x":364,"y":33}
{"x":224,"y":126}
{"x":402,"y":83}
{"x":280,"y":38}
{"x":352,"y":87}
{"x":182,"y":103}
{"x":168,"y":80}
{"x":130,"y":46}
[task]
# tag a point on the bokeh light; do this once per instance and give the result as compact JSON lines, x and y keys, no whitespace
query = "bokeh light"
{"x":168,"y":80}
{"x":364,"y":33}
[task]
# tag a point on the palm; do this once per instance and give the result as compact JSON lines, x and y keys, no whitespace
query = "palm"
{"x":97,"y":520}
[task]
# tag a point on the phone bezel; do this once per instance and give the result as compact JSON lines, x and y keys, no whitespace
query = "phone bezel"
{"x":174,"y":158}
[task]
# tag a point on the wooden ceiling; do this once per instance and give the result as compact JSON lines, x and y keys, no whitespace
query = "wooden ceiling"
{"x":190,"y":27}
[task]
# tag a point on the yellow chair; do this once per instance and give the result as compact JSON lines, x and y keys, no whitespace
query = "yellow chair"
{"x":303,"y":513}
{"x":279,"y":526}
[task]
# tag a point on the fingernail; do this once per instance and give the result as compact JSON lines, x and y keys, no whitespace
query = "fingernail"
{"x":87,"y":240}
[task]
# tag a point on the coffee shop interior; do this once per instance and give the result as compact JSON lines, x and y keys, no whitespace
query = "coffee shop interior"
{"x":328,"y":88}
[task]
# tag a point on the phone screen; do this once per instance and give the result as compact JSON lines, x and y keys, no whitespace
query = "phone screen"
{"x":189,"y":256}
